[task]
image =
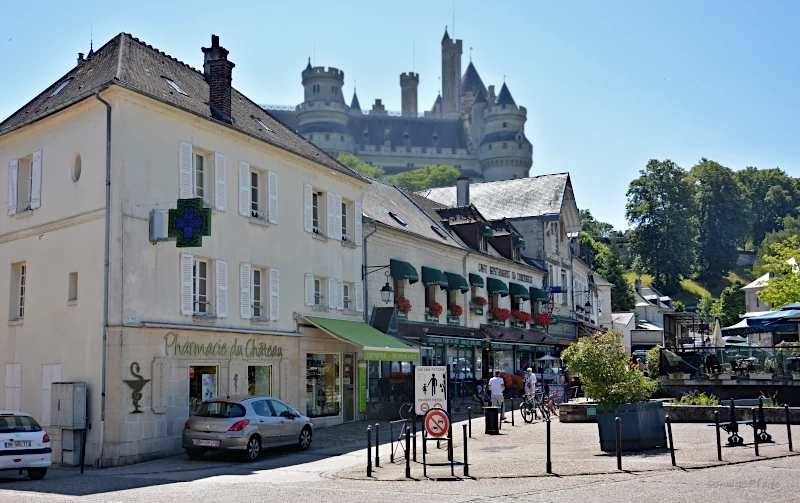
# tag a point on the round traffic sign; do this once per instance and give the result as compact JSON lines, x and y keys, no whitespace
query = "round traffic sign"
{"x":438,"y":406}
{"x":437,"y":423}
{"x":424,"y":407}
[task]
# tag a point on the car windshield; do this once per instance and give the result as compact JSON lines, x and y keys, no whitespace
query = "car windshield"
{"x":18,"y":424}
{"x":220,"y":409}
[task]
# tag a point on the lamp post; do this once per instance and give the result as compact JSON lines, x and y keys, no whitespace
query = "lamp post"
{"x":386,"y":291}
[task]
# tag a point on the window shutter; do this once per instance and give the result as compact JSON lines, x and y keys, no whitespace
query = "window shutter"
{"x":358,"y":235}
{"x":13,"y":166}
{"x":272,"y":191}
{"x":185,"y":170}
{"x":222,"y":288}
{"x":309,"y":289}
{"x":330,"y":197}
{"x":36,"y":180}
{"x":308,"y":208}
{"x":220,"y":177}
{"x":274,"y":294}
{"x":338,"y":225}
{"x":340,"y":296}
{"x":332,"y":303}
{"x":244,"y":189}
{"x":360,"y":297}
{"x":187,"y":305}
{"x":244,"y":291}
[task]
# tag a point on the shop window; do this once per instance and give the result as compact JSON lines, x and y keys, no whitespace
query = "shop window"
{"x":502,"y":361}
{"x":202,"y":385}
{"x":430,"y":295}
{"x":322,"y":385}
{"x":452,"y":297}
{"x":399,"y":288}
{"x":390,"y":381}
{"x":494,"y":301}
{"x":432,"y":356}
{"x":461,"y":362}
{"x":259,"y":380}
{"x":518,"y":304}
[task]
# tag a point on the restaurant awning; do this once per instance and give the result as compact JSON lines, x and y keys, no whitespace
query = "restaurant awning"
{"x":519,"y":243}
{"x":403,"y":270}
{"x":496,"y":287}
{"x":486,"y":231}
{"x":518,"y":291}
{"x":538,"y":295}
{"x":376,"y":344}
{"x":456,"y":282}
{"x":434,"y":277}
{"x":475,"y":280}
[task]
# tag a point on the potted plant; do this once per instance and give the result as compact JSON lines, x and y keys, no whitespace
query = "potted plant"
{"x":796,"y":375}
{"x":403,"y":306}
{"x":621,"y":391}
{"x":477,"y":305}
{"x":434,"y":309}
{"x":521,"y":318}
{"x":500,"y":316}
{"x":719,"y":376}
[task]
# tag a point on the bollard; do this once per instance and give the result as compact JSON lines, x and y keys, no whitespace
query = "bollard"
{"x":549,"y":465}
{"x":669,"y":437}
{"x":377,"y":443}
{"x":408,"y":458}
{"x":755,"y":429}
{"x":414,"y":431}
{"x":424,"y":450}
{"x":450,"y":443}
{"x":466,"y":462}
{"x":719,"y":445}
{"x":788,"y":426}
{"x":369,"y":451}
{"x":618,"y":423}
{"x":512,"y":412}
{"x":469,"y":420}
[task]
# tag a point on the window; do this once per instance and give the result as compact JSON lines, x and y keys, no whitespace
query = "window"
{"x":397,"y":218}
{"x":490,"y":146}
{"x":203,"y":387}
{"x":410,"y":165}
{"x":564,"y":282}
{"x":518,"y":304}
{"x":258,"y":194}
{"x":72,"y":294}
{"x":493,"y":302}
{"x":515,"y":253}
{"x":280,"y":409}
{"x":439,"y":232}
{"x":200,"y":295}
{"x":323,"y":393}
{"x":505,"y":124}
{"x":327,"y":137}
{"x":347,"y":291}
{"x":316,"y":201}
{"x":62,"y":86}
{"x":19,"y":280}
{"x":259,"y":380}
{"x":482,"y":243}
{"x":200,"y":181}
{"x":257,"y":293}
{"x":24,"y":181}
{"x":318,"y":292}
{"x":174,"y":86}
{"x":399,"y":288}
{"x":505,"y":145}
{"x":260,"y":122}
{"x":452,"y":297}
{"x":430,"y":295}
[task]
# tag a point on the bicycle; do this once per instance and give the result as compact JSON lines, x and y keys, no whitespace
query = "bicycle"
{"x":546,"y":404}
{"x":528,"y":408}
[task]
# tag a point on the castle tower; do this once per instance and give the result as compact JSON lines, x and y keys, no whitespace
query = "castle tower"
{"x":409,"y":82}
{"x":451,"y":74}
{"x":476,"y":119}
{"x":323,"y":115}
{"x":504,"y":152}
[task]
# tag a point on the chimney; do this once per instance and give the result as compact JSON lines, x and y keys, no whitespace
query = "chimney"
{"x":80,"y":58}
{"x":462,"y":191}
{"x":217,"y":71}
{"x":378,"y":108}
{"x":409,"y":82}
{"x":492,"y":97}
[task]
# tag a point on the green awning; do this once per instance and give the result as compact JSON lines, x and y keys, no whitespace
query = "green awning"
{"x":456,"y":282}
{"x":538,"y":295}
{"x":518,"y":291}
{"x":486,"y":231}
{"x":434,"y":277}
{"x":403,"y":270}
{"x":475,"y":280}
{"x":496,"y":287}
{"x":519,"y":243}
{"x":376,"y":344}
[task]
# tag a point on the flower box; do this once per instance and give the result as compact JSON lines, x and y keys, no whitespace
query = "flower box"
{"x":517,"y":324}
{"x":453,"y":320}
{"x":796,"y":376}
{"x":720,"y":377}
{"x":761,"y":377}
{"x":431,"y":319}
{"x":496,"y":323}
{"x":402,"y":316}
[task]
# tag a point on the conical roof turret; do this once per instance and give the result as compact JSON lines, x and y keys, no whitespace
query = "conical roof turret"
{"x":505,"y":98}
{"x":354,"y":104}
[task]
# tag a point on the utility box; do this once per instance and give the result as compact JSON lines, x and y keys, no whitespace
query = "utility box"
{"x":68,"y":405}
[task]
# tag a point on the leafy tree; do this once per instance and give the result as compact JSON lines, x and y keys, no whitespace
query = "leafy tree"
{"x":721,"y":208}
{"x":790,"y":227}
{"x":425,"y":178}
{"x":661,"y":208}
{"x":705,"y":305}
{"x":609,"y":266}
{"x":784,"y":287}
{"x":679,"y":307}
{"x":773,"y":194}
{"x":730,"y":304}
{"x":357,"y":164}
{"x":593,"y":227}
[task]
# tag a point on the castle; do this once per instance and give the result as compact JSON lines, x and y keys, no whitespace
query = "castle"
{"x":469,"y":127}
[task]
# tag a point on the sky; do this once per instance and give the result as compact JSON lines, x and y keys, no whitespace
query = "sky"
{"x":607,"y":85}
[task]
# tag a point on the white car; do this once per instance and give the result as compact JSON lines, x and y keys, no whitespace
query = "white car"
{"x":23,"y":444}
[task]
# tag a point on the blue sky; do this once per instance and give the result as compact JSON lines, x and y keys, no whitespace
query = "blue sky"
{"x":608,"y":85}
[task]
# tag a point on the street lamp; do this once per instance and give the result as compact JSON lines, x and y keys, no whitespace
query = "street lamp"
{"x":386,"y":291}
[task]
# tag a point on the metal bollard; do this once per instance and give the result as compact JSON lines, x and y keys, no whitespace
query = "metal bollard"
{"x":512,"y":412}
{"x":669,"y":437}
{"x":424,"y":450}
{"x":466,"y":462}
{"x":549,"y":465}
{"x":450,"y":443}
{"x":377,"y":443}
{"x":719,"y":445}
{"x":369,"y":451}
{"x":414,"y":432}
{"x":755,"y":429}
{"x":408,"y":458}
{"x":788,"y":427}
{"x":618,"y":424}
{"x":469,"y":420}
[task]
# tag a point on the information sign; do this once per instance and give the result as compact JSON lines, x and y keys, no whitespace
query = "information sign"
{"x":430,"y":388}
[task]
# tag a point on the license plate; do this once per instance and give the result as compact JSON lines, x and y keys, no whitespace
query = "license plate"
{"x":17,"y":443}
{"x":208,"y":443}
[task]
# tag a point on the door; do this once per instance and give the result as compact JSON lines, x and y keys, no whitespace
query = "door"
{"x":290,"y":424}
{"x":268,"y":423}
{"x":349,"y":384}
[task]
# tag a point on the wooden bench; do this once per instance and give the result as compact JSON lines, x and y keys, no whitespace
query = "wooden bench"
{"x":732,"y":426}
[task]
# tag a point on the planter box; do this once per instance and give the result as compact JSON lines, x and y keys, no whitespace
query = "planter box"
{"x":478,"y":311}
{"x":682,"y":376}
{"x":517,"y":324}
{"x":721,"y":377}
{"x":453,"y":320}
{"x":760,"y":377}
{"x":402,"y":316}
{"x":642,"y":426}
{"x":498,"y":323}
{"x":431,"y":319}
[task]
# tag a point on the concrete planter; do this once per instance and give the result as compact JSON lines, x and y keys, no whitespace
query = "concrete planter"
{"x":721,"y":377}
{"x":642,"y":426}
{"x":586,"y":412}
{"x":760,"y":377}
{"x":679,"y":377}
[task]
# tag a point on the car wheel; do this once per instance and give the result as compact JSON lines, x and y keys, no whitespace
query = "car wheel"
{"x":195,"y":454}
{"x":36,"y":473}
{"x":253,"y":448}
{"x":305,"y":438}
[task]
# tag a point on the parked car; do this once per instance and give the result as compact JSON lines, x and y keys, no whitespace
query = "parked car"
{"x":23,"y":444}
{"x":248,"y":425}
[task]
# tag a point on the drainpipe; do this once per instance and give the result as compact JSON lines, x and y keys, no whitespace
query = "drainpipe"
{"x":105,"y":272}
{"x":364,"y":273}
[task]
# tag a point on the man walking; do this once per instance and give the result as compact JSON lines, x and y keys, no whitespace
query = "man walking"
{"x":497,"y":386}
{"x":530,"y":383}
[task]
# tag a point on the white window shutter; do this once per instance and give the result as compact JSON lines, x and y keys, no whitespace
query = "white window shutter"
{"x":244,"y":189}
{"x":244,"y":291}
{"x":360,"y":297}
{"x":309,"y":289}
{"x":187,"y":305}
{"x":36,"y":180}
{"x":330,"y":197}
{"x":340,"y":294}
{"x":13,"y":168}
{"x":338,"y":205}
{"x":185,"y":170}
{"x":220,"y":179}
{"x":222,"y":288}
{"x":332,"y":293}
{"x":308,"y":208}
{"x":274,"y":293}
{"x":272,"y":191}
{"x":358,"y":235}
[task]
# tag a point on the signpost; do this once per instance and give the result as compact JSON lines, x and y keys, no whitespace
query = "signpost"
{"x":437,"y":424}
{"x":430,"y":389}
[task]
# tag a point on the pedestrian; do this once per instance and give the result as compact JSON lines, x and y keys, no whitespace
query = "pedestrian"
{"x":481,"y":396}
{"x":642,"y":366}
{"x":497,"y":385}
{"x":530,"y":383}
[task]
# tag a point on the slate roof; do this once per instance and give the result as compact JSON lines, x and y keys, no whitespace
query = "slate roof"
{"x":471,"y":82}
{"x":128,"y":62}
{"x":354,"y":104}
{"x":408,"y":131}
{"x":623,"y":318}
{"x":481,"y":98}
{"x":504,"y":98}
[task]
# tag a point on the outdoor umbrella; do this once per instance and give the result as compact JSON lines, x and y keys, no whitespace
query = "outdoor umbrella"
{"x":717,"y":341}
{"x":547,"y":357}
{"x":768,"y":322}
{"x":731,"y":339}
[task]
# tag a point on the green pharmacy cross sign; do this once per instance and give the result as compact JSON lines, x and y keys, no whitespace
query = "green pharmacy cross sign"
{"x":189,"y":223}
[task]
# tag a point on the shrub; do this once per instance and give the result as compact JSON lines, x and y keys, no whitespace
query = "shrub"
{"x":694,"y":398}
{"x":653,"y":361}
{"x":517,"y":383}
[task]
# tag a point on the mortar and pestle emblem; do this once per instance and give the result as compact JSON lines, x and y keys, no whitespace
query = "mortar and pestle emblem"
{"x":137,"y":386}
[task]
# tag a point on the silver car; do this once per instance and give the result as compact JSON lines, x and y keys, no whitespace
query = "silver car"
{"x":247,"y":425}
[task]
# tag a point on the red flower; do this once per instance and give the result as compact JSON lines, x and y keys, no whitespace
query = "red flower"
{"x":479,"y":301}
{"x":542,"y":320}
{"x":455,"y":310}
{"x":402,"y":304}
{"x":521,"y":316}
{"x":434,"y":309}
{"x":500,"y":314}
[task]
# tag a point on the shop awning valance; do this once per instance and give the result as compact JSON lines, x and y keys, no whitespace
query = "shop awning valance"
{"x":538,"y":295}
{"x":502,"y":346}
{"x":403,"y":270}
{"x":456,"y":282}
{"x":475,"y":280}
{"x":454,"y":341}
{"x":518,"y":291}
{"x":376,"y":344}
{"x":519,"y":243}
{"x":434,"y":277}
{"x":496,"y":287}
{"x":486,"y":231}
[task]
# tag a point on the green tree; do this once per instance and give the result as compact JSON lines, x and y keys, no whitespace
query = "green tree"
{"x":594,"y":228}
{"x":721,"y":208}
{"x":425,"y":178}
{"x":730,"y":304}
{"x":357,"y":164}
{"x":679,"y":306}
{"x":790,"y":227}
{"x":609,"y":266}
{"x":661,"y":209}
{"x":773,"y":194}
{"x":705,"y":305}
{"x":782,"y":262}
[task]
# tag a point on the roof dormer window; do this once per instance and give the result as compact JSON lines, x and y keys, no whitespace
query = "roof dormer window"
{"x":439,"y":231}
{"x":260,"y":123}
{"x":397,"y":218}
{"x":62,"y":86}
{"x":174,"y":86}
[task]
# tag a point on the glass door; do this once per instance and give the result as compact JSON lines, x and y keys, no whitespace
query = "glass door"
{"x":349,"y":384}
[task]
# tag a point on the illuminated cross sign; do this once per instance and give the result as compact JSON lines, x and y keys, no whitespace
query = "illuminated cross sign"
{"x":189,"y":223}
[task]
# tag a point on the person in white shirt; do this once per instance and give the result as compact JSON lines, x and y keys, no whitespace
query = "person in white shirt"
{"x":530,"y":383}
{"x":496,"y":386}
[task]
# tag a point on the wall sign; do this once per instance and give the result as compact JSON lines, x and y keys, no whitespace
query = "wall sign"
{"x":189,"y":222}
{"x":250,"y":349}
{"x":137,"y":385}
{"x":160,"y":383}
{"x":505,"y":273}
{"x":455,"y":341}
{"x":390,"y":356}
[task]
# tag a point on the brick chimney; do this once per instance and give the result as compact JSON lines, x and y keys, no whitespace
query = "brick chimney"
{"x":217,"y":70}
